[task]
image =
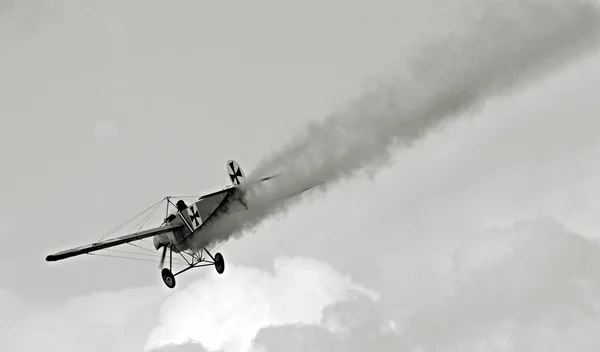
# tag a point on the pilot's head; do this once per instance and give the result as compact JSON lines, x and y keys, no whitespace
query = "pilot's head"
{"x":181,"y":206}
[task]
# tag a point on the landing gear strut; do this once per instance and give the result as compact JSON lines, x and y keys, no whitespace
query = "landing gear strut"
{"x":197,"y":260}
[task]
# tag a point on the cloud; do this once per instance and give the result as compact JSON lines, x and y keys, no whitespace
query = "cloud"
{"x":94,"y":322}
{"x":353,"y":325}
{"x":186,"y":347}
{"x":217,"y":312}
{"x":531,"y":286}
{"x":225,"y":312}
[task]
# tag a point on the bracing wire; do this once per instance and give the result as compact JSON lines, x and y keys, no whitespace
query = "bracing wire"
{"x":150,"y":251}
{"x":140,"y":259}
{"x":154,"y":255}
{"x":146,"y":218}
{"x":129,"y":220}
{"x":152,"y":210}
{"x":140,"y":247}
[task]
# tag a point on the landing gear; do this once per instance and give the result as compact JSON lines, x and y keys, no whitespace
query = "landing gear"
{"x":219,"y":263}
{"x":197,"y":260}
{"x":168,"y":278}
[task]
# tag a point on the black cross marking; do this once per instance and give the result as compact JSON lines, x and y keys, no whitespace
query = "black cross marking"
{"x":236,"y":174}
{"x":194,"y":215}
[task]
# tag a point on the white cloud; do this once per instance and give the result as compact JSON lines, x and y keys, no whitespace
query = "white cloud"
{"x":358,"y":328}
{"x":539,"y":293}
{"x":94,"y":322}
{"x":218,"y":312}
{"x":226,"y":312}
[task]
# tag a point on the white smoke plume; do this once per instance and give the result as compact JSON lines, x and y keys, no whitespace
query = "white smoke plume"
{"x":504,"y":45}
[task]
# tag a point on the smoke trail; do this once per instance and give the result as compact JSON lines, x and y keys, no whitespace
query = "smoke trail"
{"x":507,"y":44}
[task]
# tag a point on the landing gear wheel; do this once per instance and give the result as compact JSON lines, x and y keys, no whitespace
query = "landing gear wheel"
{"x":219,"y":263}
{"x":168,"y":278}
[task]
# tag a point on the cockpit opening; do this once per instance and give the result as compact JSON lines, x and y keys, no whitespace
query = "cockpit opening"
{"x":181,"y":206}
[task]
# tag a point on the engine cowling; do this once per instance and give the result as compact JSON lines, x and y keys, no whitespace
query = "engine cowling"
{"x":161,"y":240}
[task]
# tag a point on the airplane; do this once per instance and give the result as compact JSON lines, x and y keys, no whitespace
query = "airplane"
{"x":177,"y":232}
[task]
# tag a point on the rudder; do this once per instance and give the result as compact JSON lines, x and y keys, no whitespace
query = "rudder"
{"x":236,"y":175}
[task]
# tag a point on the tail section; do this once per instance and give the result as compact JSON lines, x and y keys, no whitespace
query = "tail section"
{"x":236,"y":175}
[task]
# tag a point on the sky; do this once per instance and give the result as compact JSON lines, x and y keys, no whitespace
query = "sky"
{"x":479,"y":234}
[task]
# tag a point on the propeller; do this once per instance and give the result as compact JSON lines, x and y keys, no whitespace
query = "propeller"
{"x":162,"y":258}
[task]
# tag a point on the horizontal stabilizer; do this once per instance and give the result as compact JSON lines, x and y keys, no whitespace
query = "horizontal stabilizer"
{"x":262,"y":179}
{"x":231,"y":189}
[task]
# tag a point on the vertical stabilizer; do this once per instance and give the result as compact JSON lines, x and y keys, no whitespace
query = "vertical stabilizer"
{"x":236,"y":175}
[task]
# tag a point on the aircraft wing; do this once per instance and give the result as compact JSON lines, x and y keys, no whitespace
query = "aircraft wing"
{"x":112,"y":242}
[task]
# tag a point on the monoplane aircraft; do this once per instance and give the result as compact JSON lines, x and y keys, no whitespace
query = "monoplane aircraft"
{"x":179,"y":229}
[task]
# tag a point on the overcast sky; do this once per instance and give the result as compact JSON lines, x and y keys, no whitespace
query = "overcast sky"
{"x":482,"y":235}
